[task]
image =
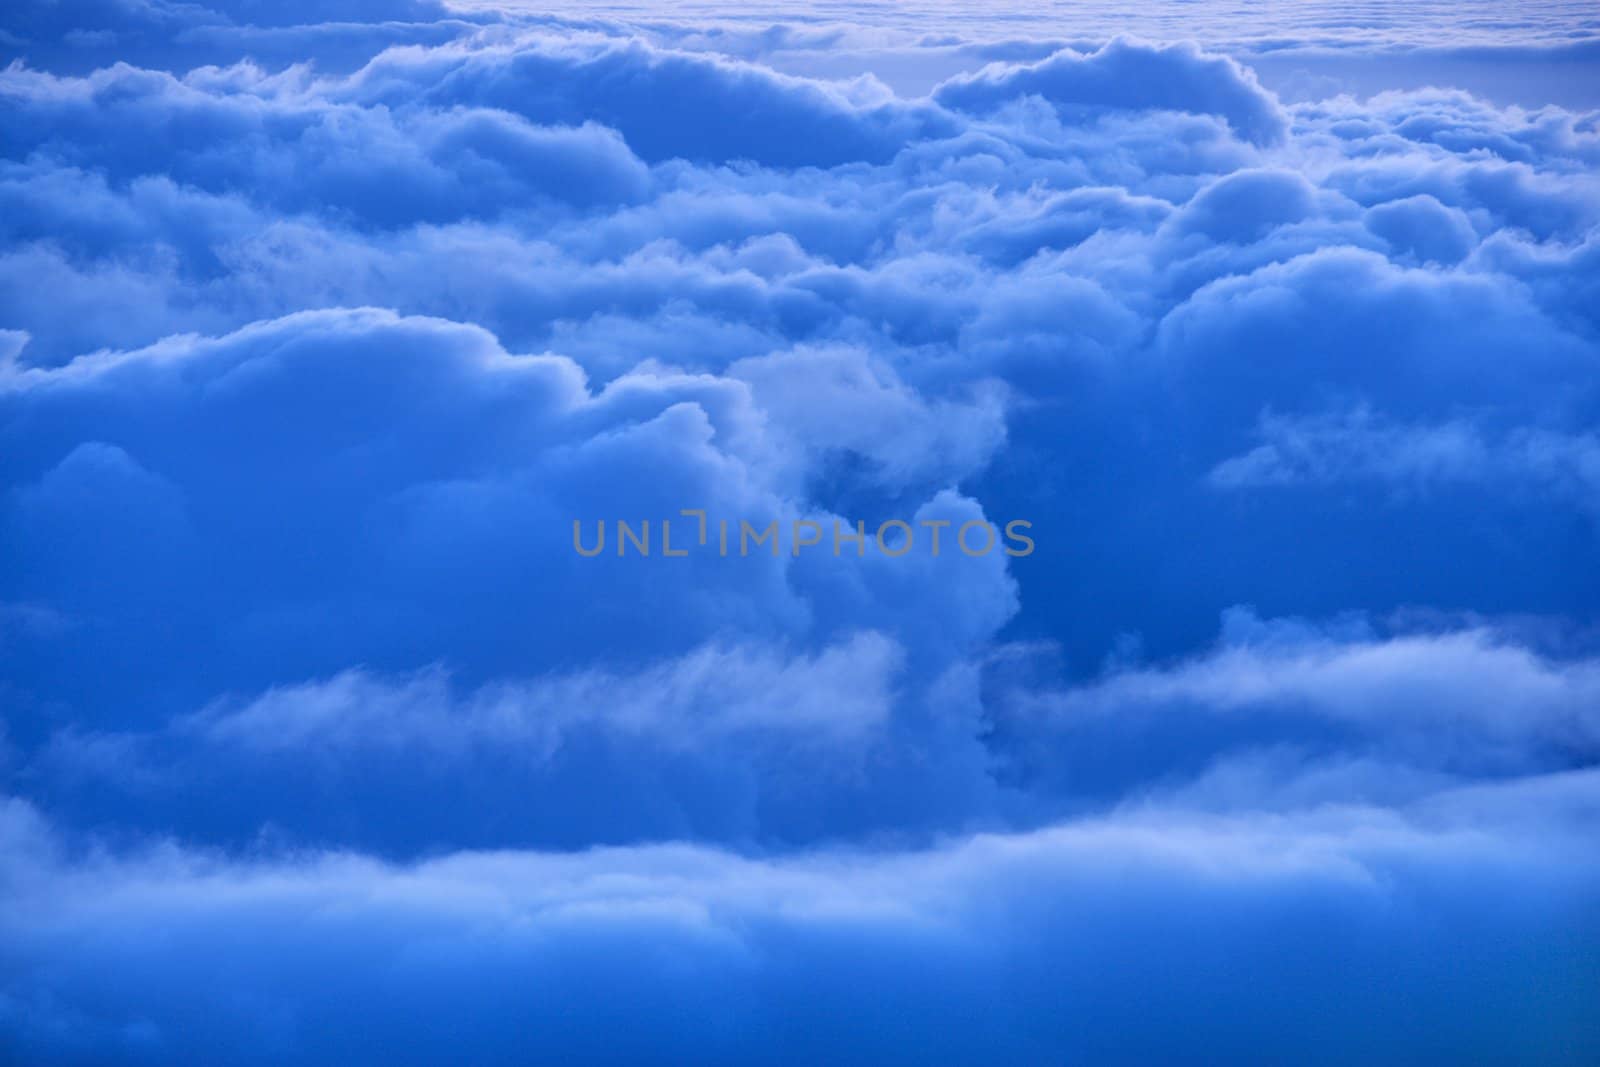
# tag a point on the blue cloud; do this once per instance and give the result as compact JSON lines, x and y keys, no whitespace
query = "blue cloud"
{"x":667,"y":104}
{"x":1128,"y":74}
{"x":1124,"y":937}
{"x":320,"y":326}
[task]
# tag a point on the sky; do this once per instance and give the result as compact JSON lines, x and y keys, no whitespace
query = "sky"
{"x":1245,"y":359}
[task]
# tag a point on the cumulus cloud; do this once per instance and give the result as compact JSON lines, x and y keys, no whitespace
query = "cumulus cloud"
{"x":419,"y":510}
{"x":734,"y":743}
{"x":1465,"y":701}
{"x":1088,"y":938}
{"x":843,"y":691}
{"x":667,"y":104}
{"x":320,"y":326}
{"x":1357,"y":446}
{"x":845,"y":401}
{"x":1128,"y":74}
{"x":1423,"y":227}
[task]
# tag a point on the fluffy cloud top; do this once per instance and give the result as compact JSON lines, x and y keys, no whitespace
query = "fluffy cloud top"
{"x":1126,"y":74}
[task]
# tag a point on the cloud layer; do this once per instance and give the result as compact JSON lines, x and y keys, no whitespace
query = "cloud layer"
{"x":322,"y":326}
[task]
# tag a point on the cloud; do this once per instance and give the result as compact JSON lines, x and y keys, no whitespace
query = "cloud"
{"x":378,"y":166}
{"x":1123,"y":280}
{"x":1423,"y":227}
{"x":420,"y":506}
{"x":1345,"y":319}
{"x":1504,"y":707}
{"x":661,"y":951}
{"x":844,"y":691}
{"x":1126,"y":73}
{"x":1246,"y":205}
{"x":842,"y":400}
{"x":666,"y":104}
{"x":1354,"y":446}
{"x":320,"y":326}
{"x":729,"y":742}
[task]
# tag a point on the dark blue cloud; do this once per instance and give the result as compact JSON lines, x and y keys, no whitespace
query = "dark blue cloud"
{"x":1127,"y":938}
{"x":1128,"y":74}
{"x":319,"y":326}
{"x":1246,"y":205}
{"x":359,"y":163}
{"x":667,"y":104}
{"x":1424,"y":228}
